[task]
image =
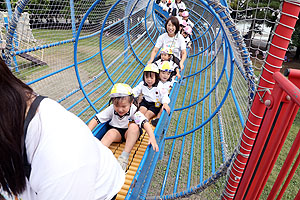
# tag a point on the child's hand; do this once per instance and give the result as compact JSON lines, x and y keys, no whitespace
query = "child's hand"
{"x":178,"y":76}
{"x":152,"y":141}
{"x":166,"y":107}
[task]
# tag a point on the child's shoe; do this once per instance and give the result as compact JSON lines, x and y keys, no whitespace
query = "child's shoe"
{"x":154,"y":121}
{"x":123,"y":161}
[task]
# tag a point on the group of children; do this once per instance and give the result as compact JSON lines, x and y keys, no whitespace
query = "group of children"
{"x":178,"y":9}
{"x":126,"y":116}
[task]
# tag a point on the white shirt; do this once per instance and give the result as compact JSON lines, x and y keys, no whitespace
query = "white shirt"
{"x":164,"y":6}
{"x":121,"y":122}
{"x":167,"y":85}
{"x":67,"y":161}
{"x":190,"y":23}
{"x":178,"y":6}
{"x":176,"y":43}
{"x":154,"y":94}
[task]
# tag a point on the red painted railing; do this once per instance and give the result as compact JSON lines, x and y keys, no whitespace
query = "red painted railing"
{"x":282,"y":107}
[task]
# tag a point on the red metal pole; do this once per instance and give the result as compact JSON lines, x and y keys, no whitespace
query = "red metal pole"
{"x":276,"y":140}
{"x":268,"y":159}
{"x":263,"y":164}
{"x":298,"y":196}
{"x":285,"y":168}
{"x":289,"y":178}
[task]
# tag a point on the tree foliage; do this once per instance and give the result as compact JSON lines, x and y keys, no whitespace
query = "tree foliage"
{"x":296,"y":34}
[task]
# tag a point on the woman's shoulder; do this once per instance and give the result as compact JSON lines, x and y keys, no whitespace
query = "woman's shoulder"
{"x":163,"y":35}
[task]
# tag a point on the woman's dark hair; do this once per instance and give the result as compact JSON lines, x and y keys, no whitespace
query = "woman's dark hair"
{"x":13,"y":103}
{"x":174,"y":21}
{"x":147,"y":74}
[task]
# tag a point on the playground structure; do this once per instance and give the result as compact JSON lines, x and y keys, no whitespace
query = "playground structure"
{"x":218,"y":107}
{"x":23,"y":39}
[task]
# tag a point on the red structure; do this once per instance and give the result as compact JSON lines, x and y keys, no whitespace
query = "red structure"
{"x":277,"y":121}
{"x":243,"y":168}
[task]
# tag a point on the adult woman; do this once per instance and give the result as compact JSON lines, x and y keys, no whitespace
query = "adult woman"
{"x":171,"y":39}
{"x":64,"y":159}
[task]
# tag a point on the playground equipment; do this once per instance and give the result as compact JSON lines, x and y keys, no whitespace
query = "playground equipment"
{"x":217,"y":107}
{"x":23,"y":39}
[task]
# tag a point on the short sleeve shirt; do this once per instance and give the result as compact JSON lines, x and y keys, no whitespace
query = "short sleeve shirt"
{"x":154,"y":94}
{"x":176,"y":43}
{"x":121,"y":121}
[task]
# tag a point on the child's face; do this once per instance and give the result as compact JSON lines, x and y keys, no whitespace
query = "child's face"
{"x":165,"y":57}
{"x":164,"y":76}
{"x":185,"y":18}
{"x":122,"y":106}
{"x":150,"y":79}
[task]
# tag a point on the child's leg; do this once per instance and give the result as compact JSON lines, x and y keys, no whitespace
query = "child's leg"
{"x":155,"y":121}
{"x":159,"y":114}
{"x":112,"y":135}
{"x":131,"y":136}
{"x":143,"y":109}
{"x":149,"y":114}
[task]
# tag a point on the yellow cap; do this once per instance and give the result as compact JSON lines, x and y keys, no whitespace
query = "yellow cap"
{"x":120,"y":90}
{"x":151,"y":68}
{"x":166,"y":66}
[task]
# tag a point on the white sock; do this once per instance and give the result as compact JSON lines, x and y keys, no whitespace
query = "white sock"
{"x":125,"y":154}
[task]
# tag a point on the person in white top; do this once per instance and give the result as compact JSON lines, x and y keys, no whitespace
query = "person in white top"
{"x":163,"y":5}
{"x":185,"y":16}
{"x":154,"y":97}
{"x":63,"y":158}
{"x":177,"y":7}
{"x":120,"y":113}
{"x":171,"y":39}
{"x":166,"y":83}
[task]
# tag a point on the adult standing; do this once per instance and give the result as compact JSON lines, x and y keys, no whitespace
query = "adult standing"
{"x":57,"y":157}
{"x":171,"y":39}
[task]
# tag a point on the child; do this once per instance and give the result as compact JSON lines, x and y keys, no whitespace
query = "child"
{"x":177,"y":7}
{"x":166,"y":54}
{"x":166,"y":82}
{"x":182,"y":24}
{"x":154,"y":97}
{"x":163,"y":4}
{"x":165,"y":77}
{"x":119,"y":129}
{"x":186,"y":32}
{"x":185,"y":16}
